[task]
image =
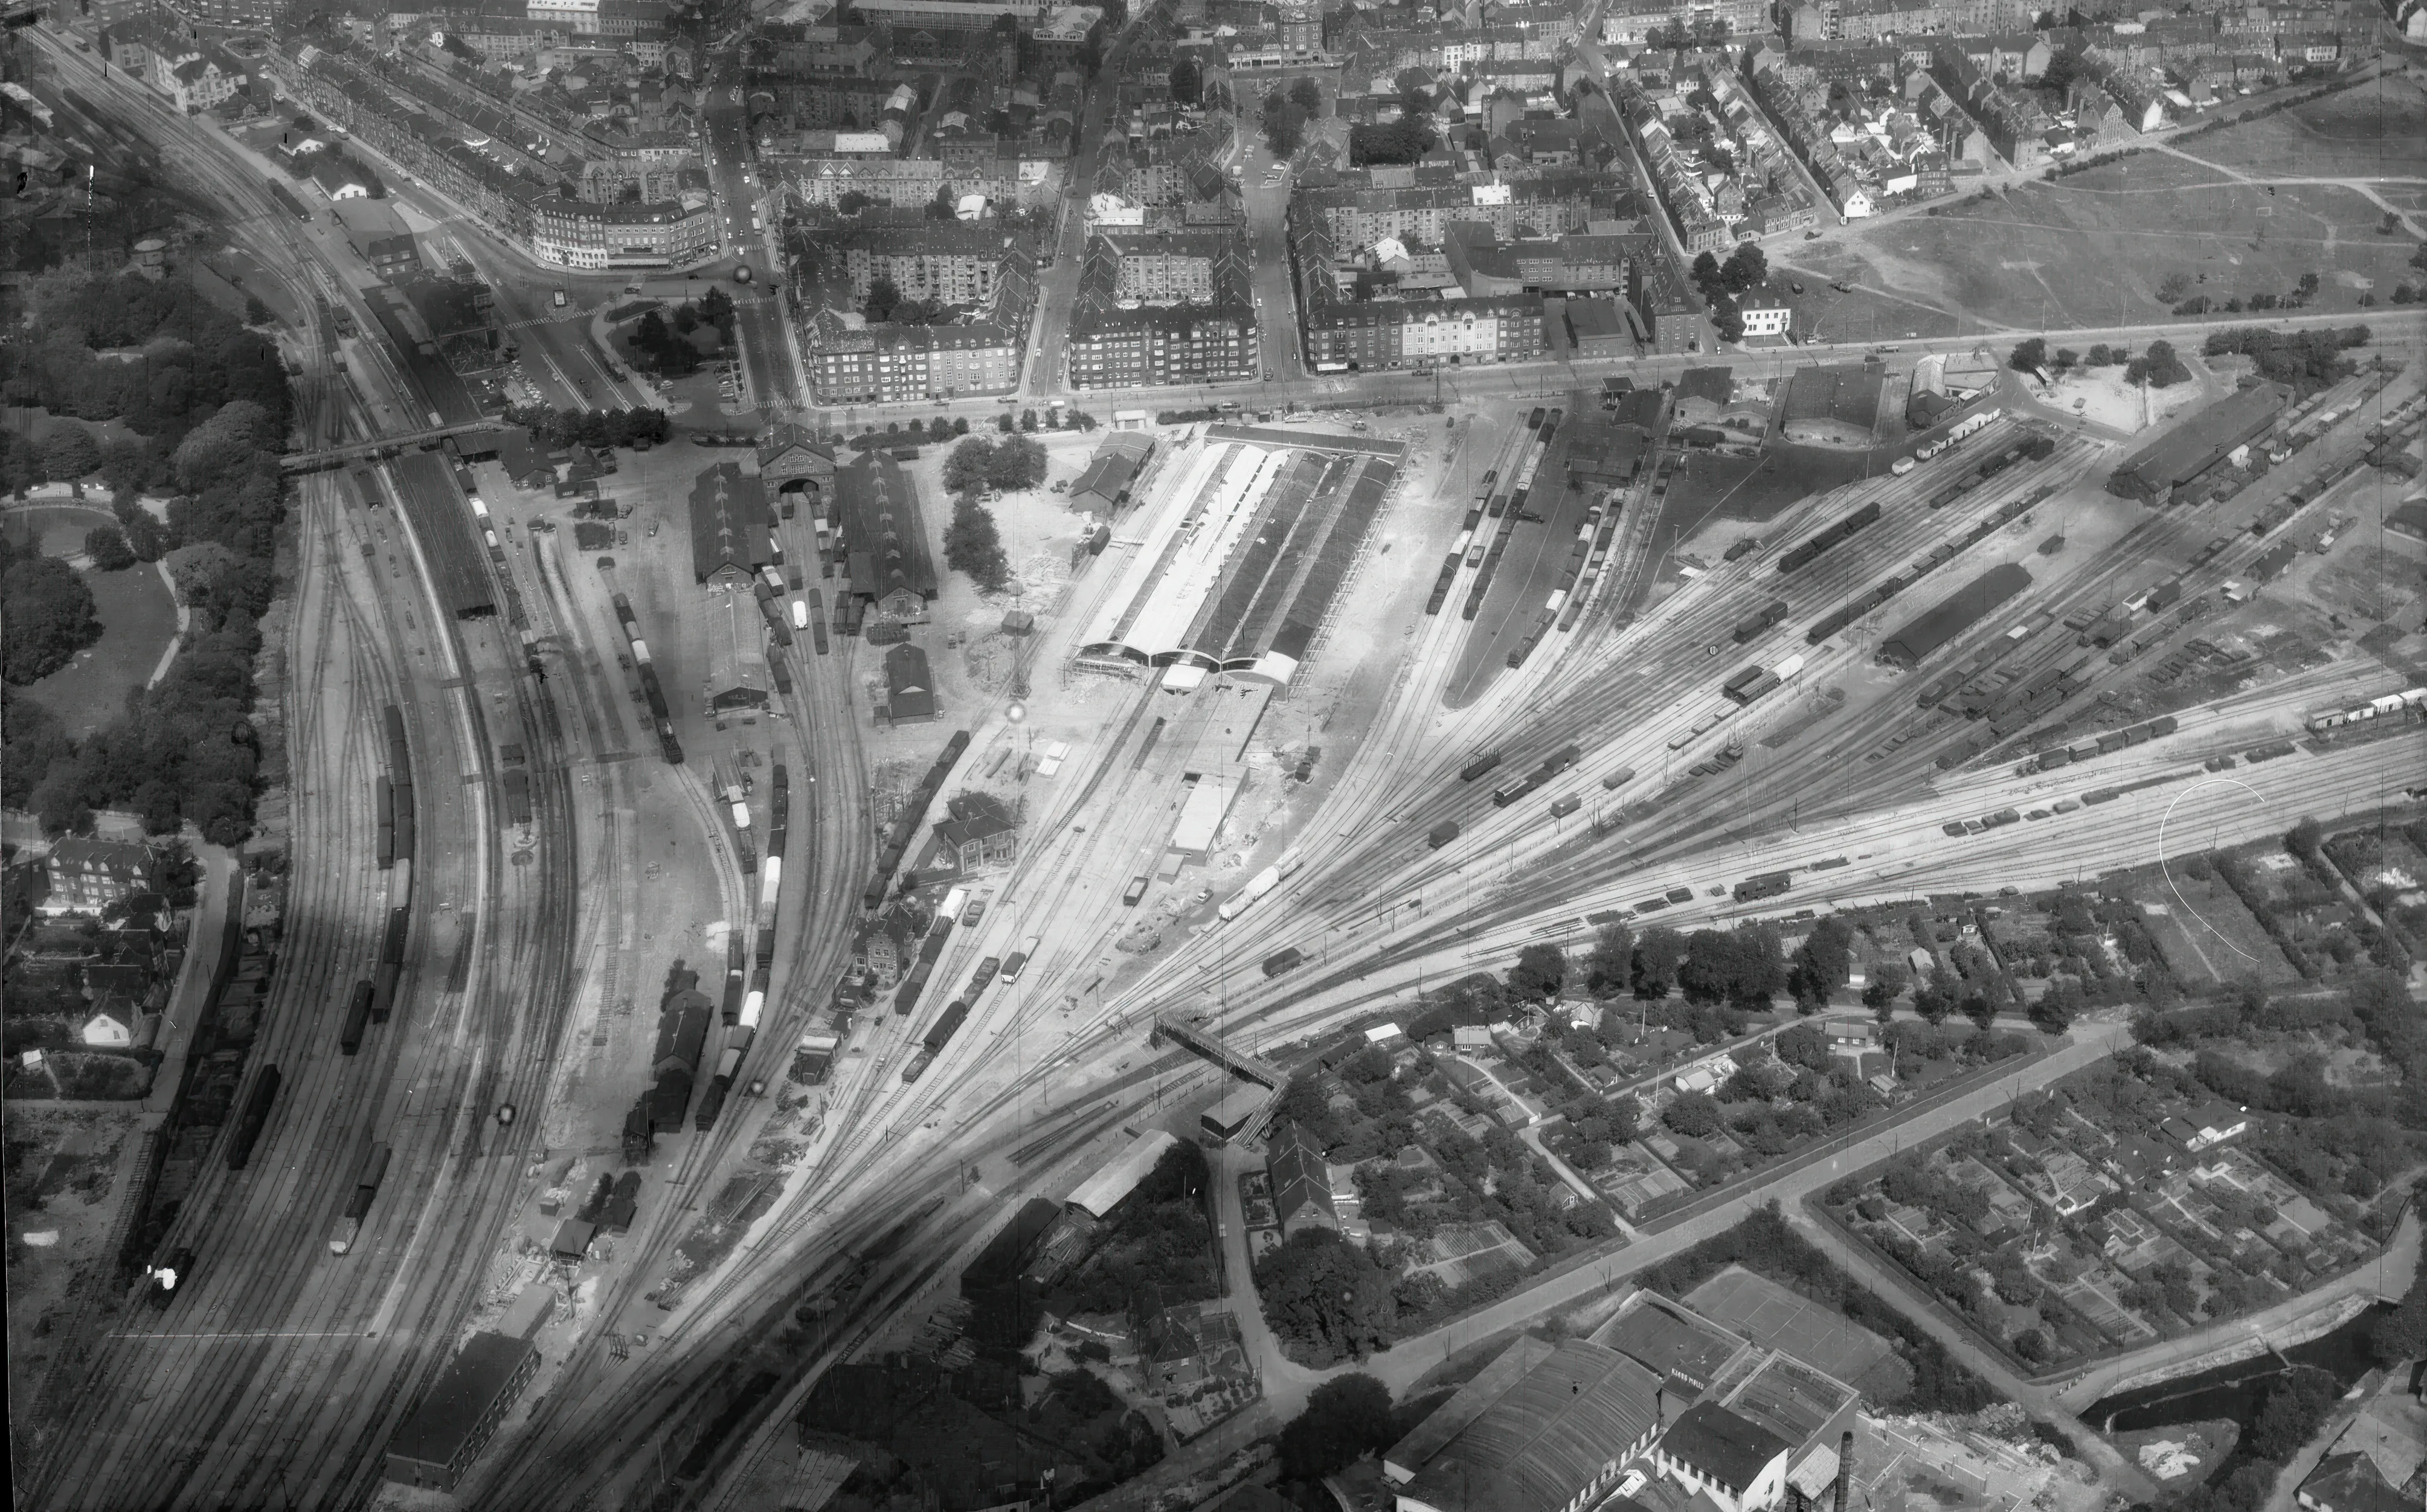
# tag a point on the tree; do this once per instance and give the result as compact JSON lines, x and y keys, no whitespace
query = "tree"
{"x":944,"y":206}
{"x":1747,"y":268}
{"x":1404,"y":140}
{"x":973,"y":545}
{"x":1706,"y":273}
{"x":1888,"y":979}
{"x":1346,"y":1418}
{"x":2028,"y":356}
{"x":48,"y":610}
{"x":107,"y":545}
{"x":2171,"y":287}
{"x":1977,"y":1008}
{"x":716,"y":307}
{"x":71,"y":452}
{"x":1028,"y":419}
{"x":1693,"y":1114}
{"x":1019,"y":462}
{"x":1727,"y":318}
{"x":1657,"y":954}
{"x":966,"y":468}
{"x":1610,"y":966}
{"x":1284,"y":124}
{"x":2064,"y":360}
{"x":2308,"y":285}
{"x":853,"y":201}
{"x":1326,"y":1298}
{"x":882,"y":297}
{"x":1822,"y":963}
{"x":1187,"y":81}
{"x":1540,"y":968}
{"x":1308,"y":96}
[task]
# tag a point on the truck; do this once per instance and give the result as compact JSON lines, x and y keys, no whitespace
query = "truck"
{"x":358,"y":1207}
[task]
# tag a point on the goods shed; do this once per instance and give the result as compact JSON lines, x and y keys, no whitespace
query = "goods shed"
{"x":1954,"y":615}
{"x":876,"y":511}
{"x":1840,"y":403}
{"x":442,"y":525}
{"x":2190,"y":448}
{"x":729,"y":538}
{"x":1118,"y":1176}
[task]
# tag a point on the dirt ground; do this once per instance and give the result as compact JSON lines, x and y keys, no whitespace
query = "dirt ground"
{"x":2100,"y":396}
{"x":68,"y":1174}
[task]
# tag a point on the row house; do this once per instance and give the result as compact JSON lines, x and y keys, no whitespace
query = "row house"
{"x":2015,"y":126}
{"x":595,"y":238}
{"x":1680,"y":188}
{"x":943,"y":262}
{"x":853,"y":362}
{"x":1808,"y":135}
{"x":1151,"y":346}
{"x":1871,"y":20}
{"x":1550,"y":205}
{"x":1342,"y":335}
{"x":1633,"y":22}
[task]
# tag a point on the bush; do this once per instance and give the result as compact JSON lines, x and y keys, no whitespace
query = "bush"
{"x":107,"y":545}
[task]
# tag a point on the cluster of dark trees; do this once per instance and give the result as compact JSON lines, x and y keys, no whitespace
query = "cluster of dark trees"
{"x":2306,"y":360}
{"x":1765,"y":1244}
{"x":2291,"y":1410}
{"x":1722,"y":284}
{"x":211,"y":407}
{"x":972,"y":544}
{"x":885,"y":305}
{"x":663,"y":344}
{"x":1284,"y":114}
{"x":49,"y":613}
{"x":590,"y":427}
{"x":1159,"y":1247}
{"x":2159,"y":367}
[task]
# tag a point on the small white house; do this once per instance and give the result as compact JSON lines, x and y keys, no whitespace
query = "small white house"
{"x":1706,"y":1074}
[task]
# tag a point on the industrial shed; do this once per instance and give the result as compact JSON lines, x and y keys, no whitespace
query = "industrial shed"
{"x":462,"y":1408}
{"x":441,"y":524}
{"x":737,"y":652}
{"x":729,"y":539}
{"x":1839,"y":403}
{"x":1118,"y":1176}
{"x":1954,"y":615}
{"x":2190,"y":448}
{"x":877,"y":510}
{"x":1104,"y":487}
{"x":1243,"y":554}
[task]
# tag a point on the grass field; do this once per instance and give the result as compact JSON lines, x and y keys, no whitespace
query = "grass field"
{"x":2092,"y":250}
{"x":2377,"y":129}
{"x":138,"y":618}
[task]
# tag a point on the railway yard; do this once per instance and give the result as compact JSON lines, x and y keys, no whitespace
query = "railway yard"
{"x":651,"y":1018}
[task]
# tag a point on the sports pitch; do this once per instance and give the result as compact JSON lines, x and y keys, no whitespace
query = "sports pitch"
{"x":1769,"y":1314}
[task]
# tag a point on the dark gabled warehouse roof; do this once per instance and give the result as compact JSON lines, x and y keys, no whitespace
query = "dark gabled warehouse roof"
{"x":442,"y":523}
{"x":877,"y":510}
{"x":729,"y":524}
{"x":460,"y":1398}
{"x":2197,"y":444}
{"x":1954,"y":615}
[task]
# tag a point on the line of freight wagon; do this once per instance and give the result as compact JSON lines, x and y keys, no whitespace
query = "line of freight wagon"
{"x":2080,"y":751}
{"x":2034,"y":449}
{"x":660,"y":716}
{"x":1940,"y":555}
{"x":1804,"y":555}
{"x":956,"y":1012}
{"x":906,"y":824}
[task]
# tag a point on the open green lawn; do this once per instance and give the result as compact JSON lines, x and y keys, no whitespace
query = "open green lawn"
{"x":2375,"y":130}
{"x":2091,"y":248}
{"x":138,"y":618}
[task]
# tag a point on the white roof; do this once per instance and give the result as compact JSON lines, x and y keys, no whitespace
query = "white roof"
{"x":1198,"y":525}
{"x":1103,"y":1191}
{"x":1383,"y":1033}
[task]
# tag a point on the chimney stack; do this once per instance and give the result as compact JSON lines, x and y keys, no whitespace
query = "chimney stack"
{"x":1844,"y":1467}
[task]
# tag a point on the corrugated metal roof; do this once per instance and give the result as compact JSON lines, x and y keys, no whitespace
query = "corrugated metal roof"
{"x":1547,"y":1436}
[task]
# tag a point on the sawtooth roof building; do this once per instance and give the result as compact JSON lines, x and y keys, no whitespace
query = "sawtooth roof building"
{"x":1246,"y":543}
{"x":729,"y":538}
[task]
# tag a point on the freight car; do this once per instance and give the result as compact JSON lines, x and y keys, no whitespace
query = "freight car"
{"x":1285,"y":960}
{"x":1804,"y":555}
{"x":1768,"y":885}
{"x":1753,"y":625}
{"x":906,"y":824}
{"x":947,"y":1024}
{"x":358,"y":1017}
{"x":249,"y":1123}
{"x":1478,"y":767}
{"x":358,"y":1207}
{"x":1442,"y":833}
